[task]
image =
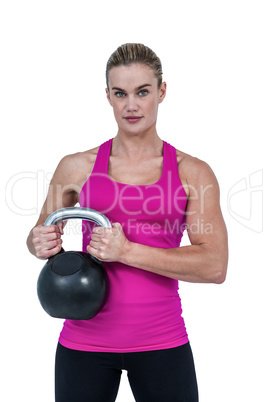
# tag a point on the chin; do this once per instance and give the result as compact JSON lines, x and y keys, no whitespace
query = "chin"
{"x":136,"y":131}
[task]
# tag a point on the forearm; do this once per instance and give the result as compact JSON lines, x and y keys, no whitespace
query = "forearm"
{"x":194,"y":263}
{"x":30,"y":244}
{"x":204,"y":262}
{"x":45,"y":241}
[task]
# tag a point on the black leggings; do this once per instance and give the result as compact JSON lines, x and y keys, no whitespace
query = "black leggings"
{"x":156,"y":376}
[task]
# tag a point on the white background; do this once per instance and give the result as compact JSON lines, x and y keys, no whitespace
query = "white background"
{"x":214,"y":56}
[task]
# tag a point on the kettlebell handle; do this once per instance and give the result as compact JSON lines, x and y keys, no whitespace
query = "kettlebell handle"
{"x":78,"y":213}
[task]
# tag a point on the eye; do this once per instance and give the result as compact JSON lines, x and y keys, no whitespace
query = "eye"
{"x":119,"y":94}
{"x":143,"y":92}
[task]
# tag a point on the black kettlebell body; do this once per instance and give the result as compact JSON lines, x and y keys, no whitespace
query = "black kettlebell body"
{"x":73,"y":284}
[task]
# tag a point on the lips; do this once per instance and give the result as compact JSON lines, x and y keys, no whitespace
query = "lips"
{"x":133,"y":119}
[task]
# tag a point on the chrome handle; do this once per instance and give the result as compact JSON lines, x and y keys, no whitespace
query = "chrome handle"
{"x":78,"y":213}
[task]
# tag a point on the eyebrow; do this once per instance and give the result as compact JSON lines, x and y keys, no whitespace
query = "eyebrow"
{"x":136,"y":89}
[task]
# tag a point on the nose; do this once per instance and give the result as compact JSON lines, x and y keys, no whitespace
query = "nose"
{"x":131,"y":104}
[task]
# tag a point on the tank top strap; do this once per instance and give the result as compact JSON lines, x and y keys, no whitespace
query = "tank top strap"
{"x":102,"y":160}
{"x":170,"y":159}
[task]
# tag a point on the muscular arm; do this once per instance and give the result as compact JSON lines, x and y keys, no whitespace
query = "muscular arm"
{"x":205,"y":260}
{"x":63,"y":192}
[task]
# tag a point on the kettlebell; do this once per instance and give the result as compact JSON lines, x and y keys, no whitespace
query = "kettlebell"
{"x":73,"y":284}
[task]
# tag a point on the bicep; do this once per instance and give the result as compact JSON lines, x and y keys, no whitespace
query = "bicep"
{"x":62,"y":192}
{"x":204,"y":221}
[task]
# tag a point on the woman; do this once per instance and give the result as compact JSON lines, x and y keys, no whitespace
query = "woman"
{"x":151,"y":192}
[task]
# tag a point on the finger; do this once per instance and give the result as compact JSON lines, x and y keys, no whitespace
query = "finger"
{"x":50,"y":237}
{"x":52,"y":228}
{"x":92,"y":251}
{"x":52,"y":244}
{"x":61,"y":226}
{"x":96,"y":253}
{"x":117,"y":225}
{"x":43,"y":254}
{"x":46,"y":229}
{"x":94,"y":244}
{"x":95,"y":237}
{"x":47,"y":245}
{"x":100,"y":230}
{"x":117,"y":229}
{"x":43,"y":238}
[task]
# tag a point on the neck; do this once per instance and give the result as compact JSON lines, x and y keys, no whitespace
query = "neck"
{"x":135,"y":145}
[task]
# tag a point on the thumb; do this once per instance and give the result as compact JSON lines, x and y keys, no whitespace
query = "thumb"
{"x":61,"y":226}
{"x":117,"y":229}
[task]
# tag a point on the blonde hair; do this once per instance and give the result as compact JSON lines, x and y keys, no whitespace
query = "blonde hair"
{"x":130,"y":53}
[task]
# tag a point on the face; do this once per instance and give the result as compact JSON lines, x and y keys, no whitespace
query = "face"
{"x":134,"y":95}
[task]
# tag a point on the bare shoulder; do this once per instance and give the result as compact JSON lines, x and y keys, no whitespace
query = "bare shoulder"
{"x":194,"y":171}
{"x":75,"y":168}
{"x":79,"y":159}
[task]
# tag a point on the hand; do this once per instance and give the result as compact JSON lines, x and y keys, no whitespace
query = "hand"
{"x":47,"y":240}
{"x":108,"y":244}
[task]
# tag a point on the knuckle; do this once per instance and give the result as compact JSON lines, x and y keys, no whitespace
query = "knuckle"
{"x":54,"y":251}
{"x":37,"y":248}
{"x":55,"y":236}
{"x":39,"y":254}
{"x":99,"y":230}
{"x":57,"y":243}
{"x":52,"y":244}
{"x":57,"y":228}
{"x":52,"y":229}
{"x":36,"y":230}
{"x":101,"y":255}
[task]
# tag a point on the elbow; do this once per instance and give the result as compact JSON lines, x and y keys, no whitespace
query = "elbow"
{"x":218,"y":263}
{"x":215,"y":267}
{"x":220,"y":279}
{"x":219,"y":273}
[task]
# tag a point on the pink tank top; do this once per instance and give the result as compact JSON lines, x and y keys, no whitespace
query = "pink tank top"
{"x":143,"y":311}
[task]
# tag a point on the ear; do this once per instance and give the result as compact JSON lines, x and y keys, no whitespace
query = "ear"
{"x":162,"y":92}
{"x":108,"y":96}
